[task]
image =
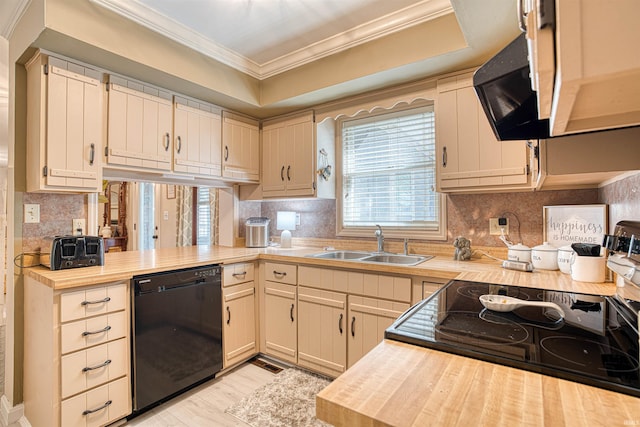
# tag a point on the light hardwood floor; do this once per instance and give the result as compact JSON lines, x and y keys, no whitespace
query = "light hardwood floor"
{"x":205,"y":404}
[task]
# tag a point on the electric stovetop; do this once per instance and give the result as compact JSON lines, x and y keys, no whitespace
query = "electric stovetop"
{"x":595,"y":342}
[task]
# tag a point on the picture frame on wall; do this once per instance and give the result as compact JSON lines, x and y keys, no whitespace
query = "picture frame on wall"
{"x":171,"y":191}
{"x":567,"y":224}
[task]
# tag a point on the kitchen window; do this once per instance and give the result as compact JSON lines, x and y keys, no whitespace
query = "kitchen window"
{"x":388,"y":173}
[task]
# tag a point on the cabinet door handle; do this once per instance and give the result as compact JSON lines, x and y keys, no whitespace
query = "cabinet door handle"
{"x":279,"y":274}
{"x":353,"y":326}
{"x":91,"y":411}
{"x":179,"y":145}
{"x":93,"y":368}
{"x":105,"y":329}
{"x":238,"y":275}
{"x":291,"y":312}
{"x":288,"y":173}
{"x":228,"y":315}
{"x":340,"y":323}
{"x":92,"y":153}
{"x":444,"y":157}
{"x":282,"y":173}
{"x":100,"y":301}
{"x":521,"y":16}
{"x":226,"y":153}
{"x":167,"y":139}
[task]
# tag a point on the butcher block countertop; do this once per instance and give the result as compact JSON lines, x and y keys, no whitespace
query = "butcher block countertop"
{"x":124,"y":265}
{"x":399,"y":384}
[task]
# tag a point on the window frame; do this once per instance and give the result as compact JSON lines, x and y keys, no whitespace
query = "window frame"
{"x":437,"y":232}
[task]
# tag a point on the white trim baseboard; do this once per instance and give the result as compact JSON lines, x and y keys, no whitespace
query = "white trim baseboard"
{"x":12,"y":416}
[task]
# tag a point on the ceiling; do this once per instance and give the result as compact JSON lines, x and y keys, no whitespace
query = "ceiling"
{"x":269,"y":39}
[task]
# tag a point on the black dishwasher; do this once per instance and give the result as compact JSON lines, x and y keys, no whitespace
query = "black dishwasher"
{"x":176,"y":332}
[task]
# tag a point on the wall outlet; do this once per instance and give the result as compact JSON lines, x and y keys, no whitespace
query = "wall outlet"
{"x":31,"y":213}
{"x":78,"y":224}
{"x":495,"y":227}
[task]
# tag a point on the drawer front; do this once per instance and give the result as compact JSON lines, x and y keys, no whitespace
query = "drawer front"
{"x":92,"y":367}
{"x":234,"y":274}
{"x":96,"y":330}
{"x":282,"y":273}
{"x":99,"y":406}
{"x":92,"y":302}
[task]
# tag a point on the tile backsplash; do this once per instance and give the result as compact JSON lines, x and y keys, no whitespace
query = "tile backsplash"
{"x":467,"y":214}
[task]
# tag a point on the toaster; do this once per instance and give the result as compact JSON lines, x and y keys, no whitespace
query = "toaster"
{"x":73,"y":252}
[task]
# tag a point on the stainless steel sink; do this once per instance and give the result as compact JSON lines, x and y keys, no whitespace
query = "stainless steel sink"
{"x":380,"y":258}
{"x":345,"y":255}
{"x":396,"y":259}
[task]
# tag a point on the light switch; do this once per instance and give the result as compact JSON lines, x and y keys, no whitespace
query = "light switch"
{"x":165,"y":215}
{"x":31,"y":213}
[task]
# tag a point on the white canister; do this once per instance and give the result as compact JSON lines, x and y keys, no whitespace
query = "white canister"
{"x":544,"y":257}
{"x":588,"y":268}
{"x":564,"y":259}
{"x":519,"y":252}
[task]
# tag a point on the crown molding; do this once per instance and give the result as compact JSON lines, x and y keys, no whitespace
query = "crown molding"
{"x":8,"y":22}
{"x":139,"y":13}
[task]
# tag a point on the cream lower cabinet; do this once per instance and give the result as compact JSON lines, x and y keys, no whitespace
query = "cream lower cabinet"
{"x":470,"y":158}
{"x":322,"y":330}
{"x":346,"y":332}
{"x":76,"y":362}
{"x":280,"y":314}
{"x":239,"y":318}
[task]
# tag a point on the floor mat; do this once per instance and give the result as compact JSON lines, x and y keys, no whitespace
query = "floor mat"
{"x":287,"y":401}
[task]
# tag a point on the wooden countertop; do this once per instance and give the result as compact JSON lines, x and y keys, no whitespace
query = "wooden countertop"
{"x":399,"y":384}
{"x":124,"y":265}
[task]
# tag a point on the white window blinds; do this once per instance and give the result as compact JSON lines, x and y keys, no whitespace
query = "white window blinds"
{"x":389,"y":170}
{"x":204,"y":217}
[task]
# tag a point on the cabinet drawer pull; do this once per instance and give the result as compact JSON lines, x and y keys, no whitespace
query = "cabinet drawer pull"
{"x":289,"y":173}
{"x":105,"y":329}
{"x":167,"y":139}
{"x":237,"y":275}
{"x":291,"y":312}
{"x":444,"y":157}
{"x":282,"y":173}
{"x":228,"y":315}
{"x":179,"y":145}
{"x":91,"y":411}
{"x":92,"y":368}
{"x":279,"y":274}
{"x":353,"y":326}
{"x":340,"y":323}
{"x":92,"y":153}
{"x":226,"y":153}
{"x":100,"y":301}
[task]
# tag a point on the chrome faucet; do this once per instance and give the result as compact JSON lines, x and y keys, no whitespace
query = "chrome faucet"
{"x":406,"y":246}
{"x":380,"y":237}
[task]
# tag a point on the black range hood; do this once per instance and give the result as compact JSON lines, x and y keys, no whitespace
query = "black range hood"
{"x":503,"y":86}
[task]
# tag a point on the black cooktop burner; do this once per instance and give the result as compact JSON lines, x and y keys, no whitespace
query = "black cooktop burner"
{"x":595,"y":343}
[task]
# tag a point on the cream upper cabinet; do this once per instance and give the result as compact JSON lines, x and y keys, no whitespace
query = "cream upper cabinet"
{"x":470,"y":158}
{"x":139,"y":126}
{"x":197,"y":138}
{"x":240,"y":148}
{"x":239,"y":313}
{"x":64,"y":132}
{"x":597,"y":78}
{"x":288,"y":157}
